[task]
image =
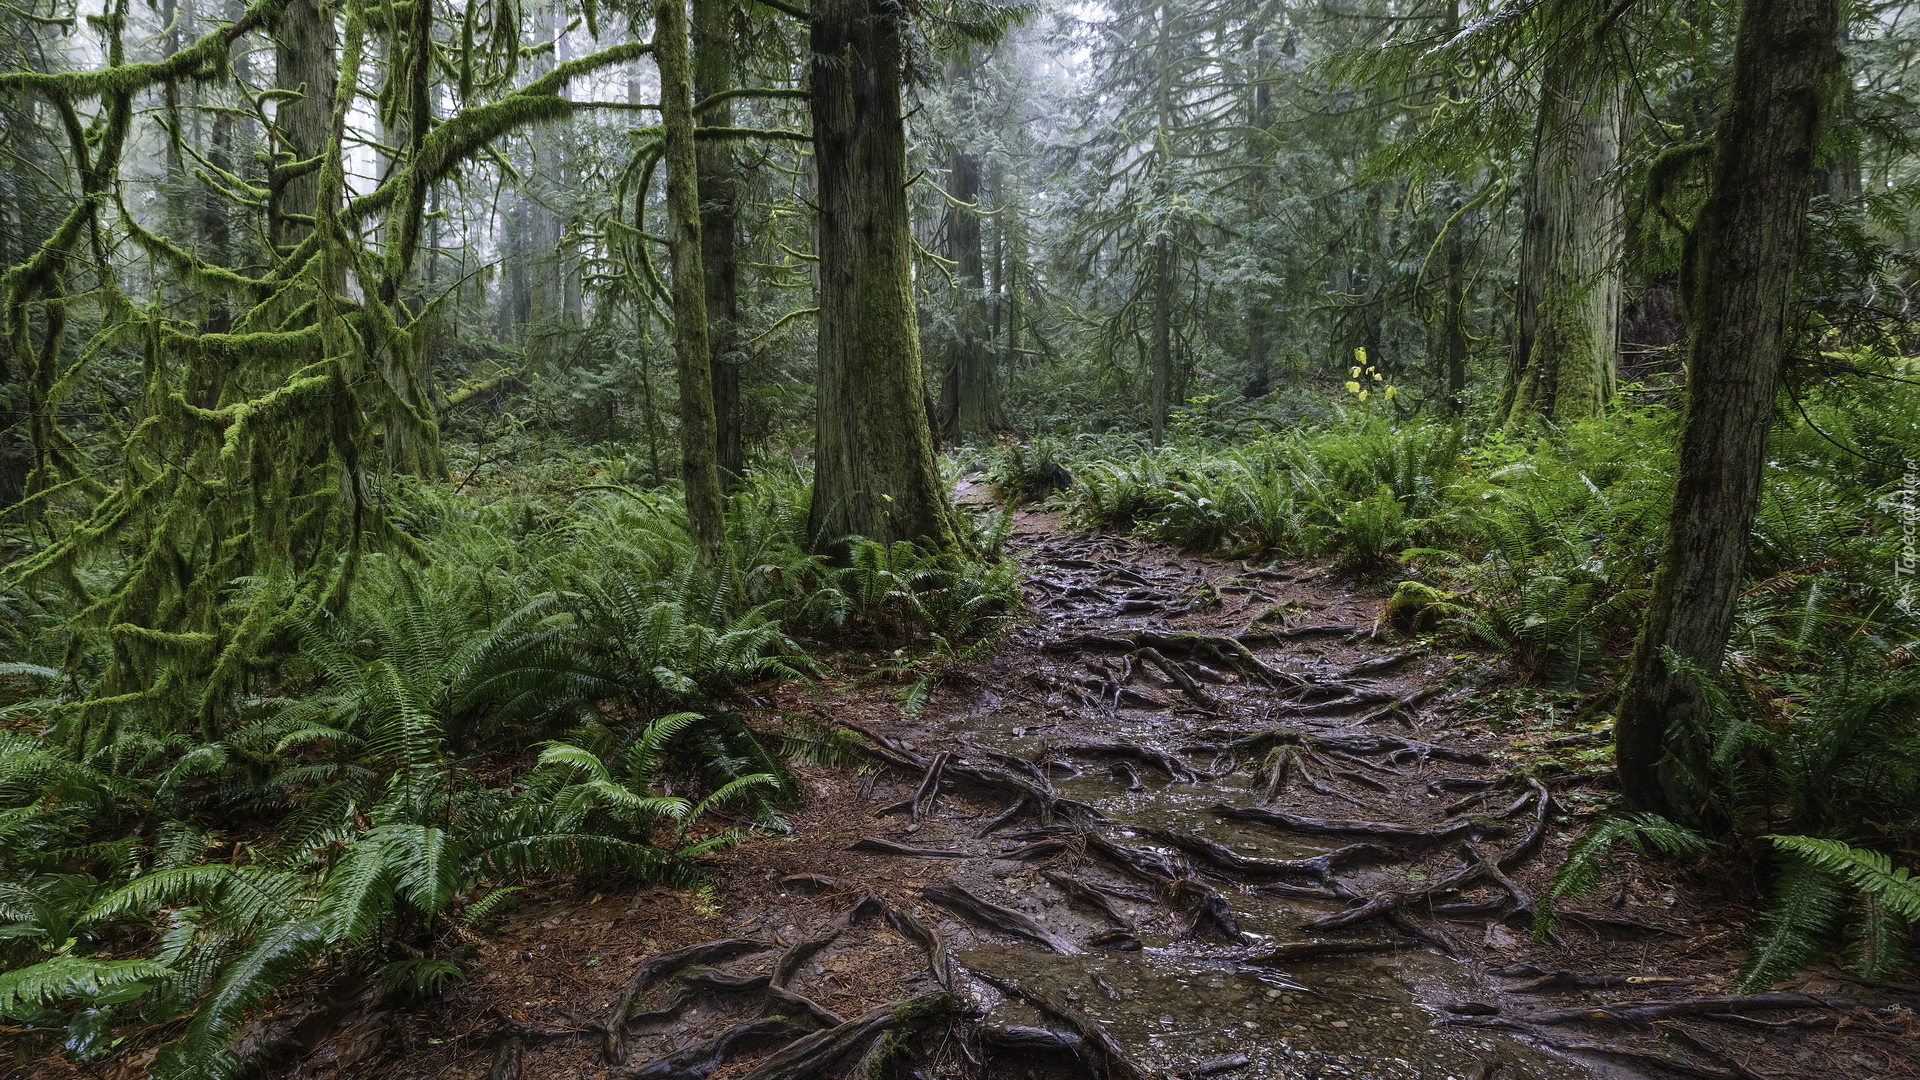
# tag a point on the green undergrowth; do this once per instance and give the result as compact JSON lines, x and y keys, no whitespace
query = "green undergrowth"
{"x":539,"y":687}
{"x":1538,"y":551}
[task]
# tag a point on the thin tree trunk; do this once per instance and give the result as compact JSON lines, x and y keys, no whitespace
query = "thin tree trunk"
{"x":705,"y":502}
{"x":713,"y":73}
{"x":1163,"y":242}
{"x":874,"y":473}
{"x":1568,"y":300}
{"x":972,"y":405}
{"x":1453,"y":324}
{"x":1747,"y":250}
{"x":1259,"y":362}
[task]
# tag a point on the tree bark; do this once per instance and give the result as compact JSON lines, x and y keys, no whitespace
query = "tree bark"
{"x":1747,"y":246}
{"x":1163,"y":239}
{"x":713,"y":73}
{"x":705,"y":504}
{"x":1453,"y":323}
{"x":972,"y":405}
{"x":304,"y":71}
{"x":1259,"y":361}
{"x":874,"y":474}
{"x":1568,"y":300}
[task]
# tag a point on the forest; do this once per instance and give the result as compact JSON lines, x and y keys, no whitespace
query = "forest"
{"x":987,"y":539}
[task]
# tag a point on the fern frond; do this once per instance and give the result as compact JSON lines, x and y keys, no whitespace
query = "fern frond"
{"x":70,"y":978}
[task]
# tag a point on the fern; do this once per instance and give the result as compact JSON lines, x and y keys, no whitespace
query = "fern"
{"x":73,"y":978}
{"x":1806,"y":904}
{"x":1589,"y":858}
{"x":1871,"y":872}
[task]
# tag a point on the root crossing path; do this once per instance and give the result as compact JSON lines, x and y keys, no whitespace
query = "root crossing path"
{"x":1184,"y":822}
{"x":1193,"y":818}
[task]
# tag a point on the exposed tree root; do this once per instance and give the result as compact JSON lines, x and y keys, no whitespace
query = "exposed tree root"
{"x":1148,"y":866}
{"x":928,"y":938}
{"x":1099,"y":1053}
{"x":1208,"y":909}
{"x":1004,"y":919}
{"x":1180,"y":677}
{"x":1319,"y":867}
{"x":816,"y":884}
{"x":789,"y":963}
{"x":1367,"y":743}
{"x":878,"y":846}
{"x":1646,"y":1012}
{"x":814,"y":1054}
{"x":657,"y":969}
{"x":782,"y":1000}
{"x":1293,"y":951}
{"x":1040,"y":790}
{"x":1540,"y":980}
{"x":1089,"y":894}
{"x":1126,"y":750}
{"x":929,"y":790}
{"x":1028,"y":1040}
{"x":1227,"y":652}
{"x":698,"y":1061}
{"x":1395,"y":899}
{"x":1416,"y":836}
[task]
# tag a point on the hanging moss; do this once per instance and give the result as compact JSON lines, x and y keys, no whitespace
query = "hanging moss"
{"x":246,"y":457}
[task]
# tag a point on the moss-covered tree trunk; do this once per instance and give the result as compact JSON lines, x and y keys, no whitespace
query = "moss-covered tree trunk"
{"x":874,"y":472}
{"x":304,"y":75}
{"x":698,"y":467}
{"x":1746,"y":250}
{"x":713,"y":73}
{"x":971,"y":397}
{"x":1568,"y":300}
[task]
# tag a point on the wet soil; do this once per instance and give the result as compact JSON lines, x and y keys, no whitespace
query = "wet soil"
{"x":1192,"y":817}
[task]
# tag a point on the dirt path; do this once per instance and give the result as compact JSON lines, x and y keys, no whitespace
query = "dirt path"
{"x":1192,"y":818}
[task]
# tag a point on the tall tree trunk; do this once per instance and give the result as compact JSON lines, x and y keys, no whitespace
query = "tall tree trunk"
{"x":1453,"y":320}
{"x":874,"y":473}
{"x":1163,"y":239}
{"x":705,"y":503}
{"x":972,"y":405}
{"x":713,"y":73}
{"x":1259,"y":362}
{"x":304,"y":73}
{"x":1162,"y":331}
{"x":1568,"y":300}
{"x":1746,"y":250}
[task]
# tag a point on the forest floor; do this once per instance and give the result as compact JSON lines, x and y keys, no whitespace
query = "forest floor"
{"x":1191,"y":817}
